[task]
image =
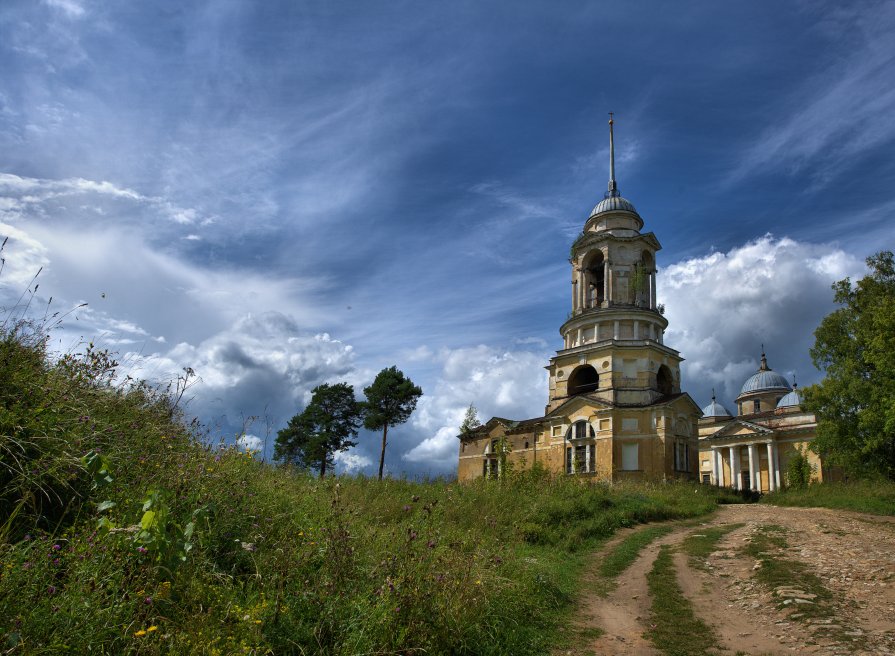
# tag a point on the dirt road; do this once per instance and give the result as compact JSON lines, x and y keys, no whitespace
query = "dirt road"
{"x":852,"y":554}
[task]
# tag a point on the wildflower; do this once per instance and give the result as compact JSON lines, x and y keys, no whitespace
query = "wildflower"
{"x":56,"y":547}
{"x":142,"y":550}
{"x":152,"y":628}
{"x":257,"y":621}
{"x":27,"y":537}
{"x":26,"y":565}
{"x":148,"y":600}
{"x":51,"y":589}
{"x":406,"y":508}
{"x":139,"y":634}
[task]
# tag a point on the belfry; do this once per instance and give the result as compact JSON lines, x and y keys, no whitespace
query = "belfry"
{"x":615,"y":409}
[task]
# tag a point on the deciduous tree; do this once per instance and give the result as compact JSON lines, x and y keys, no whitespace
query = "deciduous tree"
{"x":324,"y":427}
{"x":855,"y":402}
{"x":390,"y":401}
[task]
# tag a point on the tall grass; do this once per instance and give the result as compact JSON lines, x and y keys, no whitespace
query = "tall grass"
{"x":123,"y":531}
{"x":876,"y":497}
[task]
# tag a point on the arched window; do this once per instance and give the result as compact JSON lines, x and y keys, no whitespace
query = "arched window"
{"x":664,"y":383}
{"x":583,"y":379}
{"x":595,"y":279}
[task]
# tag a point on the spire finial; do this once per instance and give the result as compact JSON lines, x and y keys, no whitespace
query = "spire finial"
{"x":613,"y":188}
{"x":764,"y":360}
{"x":713,"y":394}
{"x":795,"y":385}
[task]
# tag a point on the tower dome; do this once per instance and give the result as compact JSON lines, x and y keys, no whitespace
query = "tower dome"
{"x":715,"y":409}
{"x":764,"y":380}
{"x":793,"y":399}
{"x":614,"y":204}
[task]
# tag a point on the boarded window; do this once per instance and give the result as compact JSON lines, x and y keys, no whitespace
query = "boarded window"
{"x":630,"y":457}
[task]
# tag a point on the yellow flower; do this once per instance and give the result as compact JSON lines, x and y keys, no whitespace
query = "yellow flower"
{"x":139,"y":634}
{"x":152,"y":628}
{"x":257,"y":621}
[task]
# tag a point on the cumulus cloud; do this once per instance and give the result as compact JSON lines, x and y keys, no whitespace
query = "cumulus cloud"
{"x":350,"y":462}
{"x":510,"y":384}
{"x":722,"y":307}
{"x":261,"y":366}
{"x":250,"y":442}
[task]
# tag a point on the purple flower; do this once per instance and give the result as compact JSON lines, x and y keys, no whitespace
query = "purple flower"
{"x":27,"y":537}
{"x":26,"y":565}
{"x":148,"y":600}
{"x":56,"y":547}
{"x":142,"y":550}
{"x":406,"y":508}
{"x":55,"y":561}
{"x":51,"y":590}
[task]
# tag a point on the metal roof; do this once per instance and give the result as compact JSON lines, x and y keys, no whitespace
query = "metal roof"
{"x":790,"y":400}
{"x":613,"y":204}
{"x":765,"y":380}
{"x":715,"y":409}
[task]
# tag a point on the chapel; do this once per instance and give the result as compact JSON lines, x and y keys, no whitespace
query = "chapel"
{"x":615,"y":409}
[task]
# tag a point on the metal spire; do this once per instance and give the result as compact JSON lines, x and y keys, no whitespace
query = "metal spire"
{"x":764,"y":360}
{"x":613,"y":187}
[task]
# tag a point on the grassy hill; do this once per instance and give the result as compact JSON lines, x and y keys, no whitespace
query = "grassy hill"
{"x":123,"y":531}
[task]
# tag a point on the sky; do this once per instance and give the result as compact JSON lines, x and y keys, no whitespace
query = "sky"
{"x":284,"y":193}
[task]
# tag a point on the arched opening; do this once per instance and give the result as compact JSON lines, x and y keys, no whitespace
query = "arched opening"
{"x":594,"y":279}
{"x":583,"y":380}
{"x":641,"y":280}
{"x":664,"y":383}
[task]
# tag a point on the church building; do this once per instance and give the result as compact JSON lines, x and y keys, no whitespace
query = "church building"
{"x":615,"y":409}
{"x":752,"y":450}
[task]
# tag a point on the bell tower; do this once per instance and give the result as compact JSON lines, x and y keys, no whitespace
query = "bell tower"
{"x":613,"y":337}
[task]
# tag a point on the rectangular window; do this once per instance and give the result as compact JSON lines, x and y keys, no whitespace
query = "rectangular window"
{"x":605,"y":424}
{"x":630,"y":424}
{"x":756,"y":406}
{"x":557,"y":431}
{"x":630,"y":456}
{"x":580,"y":459}
{"x":569,"y":460}
{"x":682,"y":456}
{"x":707,"y":479}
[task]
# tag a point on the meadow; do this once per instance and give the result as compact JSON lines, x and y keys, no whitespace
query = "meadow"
{"x":125,"y":530}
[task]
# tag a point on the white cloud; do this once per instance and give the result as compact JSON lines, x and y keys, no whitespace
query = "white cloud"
{"x":71,"y":8}
{"x":250,"y":442}
{"x":351,"y":462}
{"x":722,"y":306}
{"x":509,"y":384}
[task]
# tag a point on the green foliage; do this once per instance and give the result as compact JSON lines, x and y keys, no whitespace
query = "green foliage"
{"x":625,"y":552}
{"x":390,"y":401}
{"x":799,"y":470}
{"x":855,"y":345}
{"x":151,"y":541}
{"x":324,"y":427}
{"x":471,"y":421}
{"x":875,"y":496}
{"x":674,"y":628}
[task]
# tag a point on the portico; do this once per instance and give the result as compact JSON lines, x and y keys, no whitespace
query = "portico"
{"x":752,"y":465}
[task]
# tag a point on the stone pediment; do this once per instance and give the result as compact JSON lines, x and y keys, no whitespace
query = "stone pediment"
{"x":739,"y":427}
{"x":576,"y":403}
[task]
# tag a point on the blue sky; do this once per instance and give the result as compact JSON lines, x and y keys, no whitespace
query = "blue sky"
{"x":280,"y":194}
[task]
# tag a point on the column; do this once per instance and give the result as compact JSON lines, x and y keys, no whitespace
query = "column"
{"x":615,"y":330}
{"x":611,"y":294}
{"x":574,"y":294}
{"x":636,"y":329}
{"x":771,"y":484}
{"x":606,"y":282}
{"x":579,"y":342}
{"x":776,"y":466}
{"x":753,"y":468}
{"x":714,"y":466}
{"x":720,"y":463}
{"x":652,"y":290}
{"x":734,"y":479}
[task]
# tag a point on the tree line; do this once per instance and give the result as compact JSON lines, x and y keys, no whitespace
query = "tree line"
{"x":331,"y":420}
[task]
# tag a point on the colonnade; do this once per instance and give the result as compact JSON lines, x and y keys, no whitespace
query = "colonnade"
{"x":736,"y":467}
{"x":580,"y":291}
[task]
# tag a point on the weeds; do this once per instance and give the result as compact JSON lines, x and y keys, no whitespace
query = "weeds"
{"x":674,"y":628}
{"x":123,"y":531}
